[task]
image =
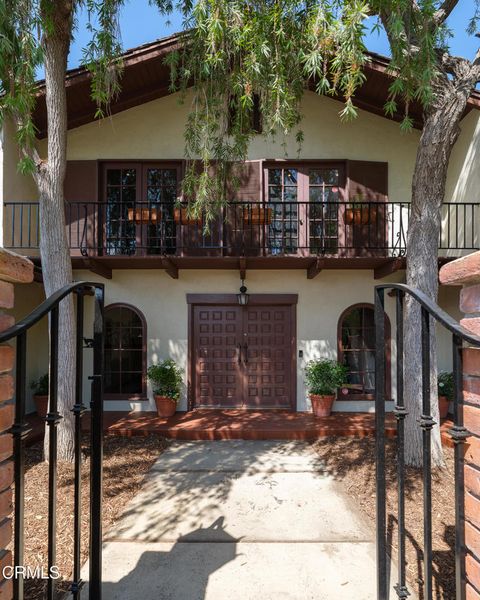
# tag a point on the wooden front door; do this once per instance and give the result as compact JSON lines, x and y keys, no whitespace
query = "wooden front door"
{"x":243,"y":357}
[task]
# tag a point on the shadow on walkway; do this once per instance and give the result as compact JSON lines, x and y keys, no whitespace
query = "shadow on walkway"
{"x":182,"y":573}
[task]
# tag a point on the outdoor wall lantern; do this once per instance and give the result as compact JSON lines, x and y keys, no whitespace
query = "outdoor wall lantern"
{"x":243,"y":297}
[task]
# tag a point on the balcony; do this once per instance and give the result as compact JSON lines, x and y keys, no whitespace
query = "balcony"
{"x":267,"y":235}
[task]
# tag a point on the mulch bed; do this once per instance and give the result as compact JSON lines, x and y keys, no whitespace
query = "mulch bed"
{"x":352,"y":462}
{"x":126,"y":460}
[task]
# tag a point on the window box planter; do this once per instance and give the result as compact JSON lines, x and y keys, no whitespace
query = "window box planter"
{"x":360,"y":216}
{"x":181,"y":217}
{"x":144,"y":216}
{"x":257,"y":215}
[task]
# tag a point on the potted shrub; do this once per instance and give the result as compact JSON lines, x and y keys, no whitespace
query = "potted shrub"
{"x":323,"y":378}
{"x":166,"y":380}
{"x":445,"y":392}
{"x":40,"y":395}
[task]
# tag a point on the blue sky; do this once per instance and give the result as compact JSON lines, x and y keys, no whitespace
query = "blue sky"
{"x":141,"y":23}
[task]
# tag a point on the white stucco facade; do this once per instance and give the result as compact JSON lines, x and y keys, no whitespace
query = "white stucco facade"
{"x":163,"y":303}
{"x":154,"y":131}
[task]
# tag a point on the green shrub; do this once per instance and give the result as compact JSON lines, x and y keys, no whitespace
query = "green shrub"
{"x":166,"y":379}
{"x":324,"y":376}
{"x":40,"y":386}
{"x":445,"y":385}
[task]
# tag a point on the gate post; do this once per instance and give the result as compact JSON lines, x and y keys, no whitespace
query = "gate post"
{"x":466,"y":272}
{"x":13,"y":269}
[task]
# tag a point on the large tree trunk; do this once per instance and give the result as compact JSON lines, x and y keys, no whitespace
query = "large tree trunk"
{"x":54,"y":250}
{"x":438,"y":137}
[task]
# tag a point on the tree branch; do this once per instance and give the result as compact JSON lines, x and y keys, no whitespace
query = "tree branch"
{"x":476,"y":66}
{"x":445,"y":10}
{"x":28,"y":152}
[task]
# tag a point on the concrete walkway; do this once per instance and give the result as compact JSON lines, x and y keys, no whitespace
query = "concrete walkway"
{"x":240,"y":520}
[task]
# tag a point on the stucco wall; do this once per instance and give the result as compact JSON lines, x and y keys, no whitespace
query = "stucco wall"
{"x":14,"y":187}
{"x":320,"y":303}
{"x":28,"y":297}
{"x":155,"y":131}
{"x":463,"y":182}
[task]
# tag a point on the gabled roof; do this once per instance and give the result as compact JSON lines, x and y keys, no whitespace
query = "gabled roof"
{"x":145,"y":77}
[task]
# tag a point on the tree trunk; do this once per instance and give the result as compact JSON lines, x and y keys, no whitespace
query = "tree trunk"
{"x":54,"y":250}
{"x":439,"y":134}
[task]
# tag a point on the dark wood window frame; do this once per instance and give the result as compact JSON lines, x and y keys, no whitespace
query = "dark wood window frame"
{"x":141,"y":166}
{"x":142,"y":396}
{"x":303,"y":167}
{"x":388,"y":345}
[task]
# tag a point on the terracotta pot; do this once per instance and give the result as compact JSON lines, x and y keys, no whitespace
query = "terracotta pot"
{"x":166,"y":407}
{"x":180,"y":216}
{"x":321,"y":405}
{"x":257,"y":215}
{"x":360,"y":216}
{"x":443,"y":406}
{"x":144,"y":216}
{"x":41,"y":404}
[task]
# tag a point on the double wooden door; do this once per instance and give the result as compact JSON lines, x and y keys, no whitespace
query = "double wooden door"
{"x":243,"y":356}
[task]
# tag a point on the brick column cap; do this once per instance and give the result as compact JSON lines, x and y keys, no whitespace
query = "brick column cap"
{"x":14,"y":267}
{"x":461,"y":271}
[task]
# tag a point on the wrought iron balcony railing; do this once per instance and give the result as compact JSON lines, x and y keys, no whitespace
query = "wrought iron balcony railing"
{"x":339,"y":229}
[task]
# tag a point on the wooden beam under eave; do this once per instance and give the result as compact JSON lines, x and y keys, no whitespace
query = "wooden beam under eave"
{"x":170,"y":268}
{"x":99,"y":268}
{"x":37,"y":274}
{"x":390,"y":266}
{"x":243,"y":268}
{"x":315,"y":268}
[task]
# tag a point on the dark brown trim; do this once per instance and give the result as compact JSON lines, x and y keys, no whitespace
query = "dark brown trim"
{"x":99,"y":268}
{"x":389,"y":267}
{"x":170,"y":268}
{"x":190,"y":370}
{"x":315,"y":268}
{"x":222,"y":263}
{"x":146,"y":77}
{"x":255,"y":300}
{"x":294,"y":376}
{"x":143,"y":395}
{"x":388,"y":350}
{"x":242,"y":265}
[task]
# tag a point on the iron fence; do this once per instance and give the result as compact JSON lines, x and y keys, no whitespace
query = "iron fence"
{"x":430,"y":313}
{"x":20,"y":430}
{"x":240,"y":229}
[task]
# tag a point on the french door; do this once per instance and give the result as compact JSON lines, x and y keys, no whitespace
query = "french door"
{"x":243,"y":357}
{"x":138,"y":204}
{"x":305,"y":207}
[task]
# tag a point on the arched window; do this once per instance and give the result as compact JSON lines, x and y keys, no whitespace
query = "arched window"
{"x":356,"y":350}
{"x":125,"y":353}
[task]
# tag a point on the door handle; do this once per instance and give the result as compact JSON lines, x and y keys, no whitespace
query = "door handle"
{"x":239,"y":353}
{"x":245,"y":353}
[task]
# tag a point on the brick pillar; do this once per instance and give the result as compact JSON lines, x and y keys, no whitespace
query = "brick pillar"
{"x":13,"y":269}
{"x":466,"y":272}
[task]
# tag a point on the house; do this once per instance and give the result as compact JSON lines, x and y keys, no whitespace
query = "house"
{"x":309,"y":236}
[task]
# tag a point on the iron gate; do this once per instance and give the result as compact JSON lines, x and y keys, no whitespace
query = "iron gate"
{"x":19,"y":332}
{"x":430,"y":313}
